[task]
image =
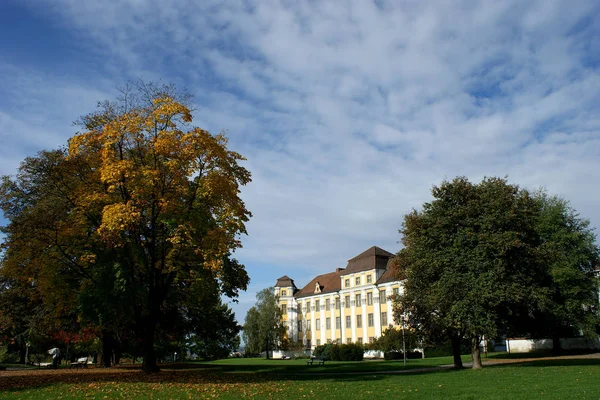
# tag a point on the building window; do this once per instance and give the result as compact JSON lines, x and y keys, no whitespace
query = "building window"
{"x":308,"y":306}
{"x":328,"y":323}
{"x":327,"y":304}
{"x":284,"y":308}
{"x":369,"y":278}
{"x":383,"y":319}
{"x":370,"y":319}
{"x":318,"y":324}
{"x":308,"y":343}
{"x":317,"y":305}
{"x":337,"y":303}
{"x":357,"y":298}
{"x":299,"y":326}
{"x":371,"y":339}
{"x":347,"y":301}
{"x":382,"y":296}
{"x":348,"y":321}
{"x":308,"y":325}
{"x":359,"y":321}
{"x":318,"y":342}
{"x":283,"y":293}
{"x":357,"y":280}
{"x":348,"y":340}
{"x":347,"y":283}
{"x":370,"y":298}
{"x":359,"y":340}
{"x":338,"y":323}
{"x":396,"y":291}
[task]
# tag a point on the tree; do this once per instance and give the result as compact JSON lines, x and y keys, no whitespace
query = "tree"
{"x":572,"y":257}
{"x":263,"y":329}
{"x":139,"y":205}
{"x":18,"y":309}
{"x":471,"y":257}
{"x":394,"y":342}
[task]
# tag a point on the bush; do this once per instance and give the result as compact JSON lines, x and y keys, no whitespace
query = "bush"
{"x":7,"y":357}
{"x":323,"y":351}
{"x":351,"y":352}
{"x":393,"y":355}
{"x":340,"y":352}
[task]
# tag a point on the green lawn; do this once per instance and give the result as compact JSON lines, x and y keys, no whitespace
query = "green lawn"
{"x":233,"y":379}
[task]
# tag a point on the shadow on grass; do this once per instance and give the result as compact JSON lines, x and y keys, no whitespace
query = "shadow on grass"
{"x":564,"y":362}
{"x":224,"y":373}
{"x":186,"y":374}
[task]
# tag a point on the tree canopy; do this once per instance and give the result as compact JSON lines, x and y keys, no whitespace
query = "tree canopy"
{"x":476,"y":262}
{"x":123,"y":223}
{"x":572,"y":257}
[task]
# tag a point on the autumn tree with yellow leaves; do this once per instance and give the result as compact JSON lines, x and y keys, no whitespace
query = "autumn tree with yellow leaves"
{"x":140,"y":205}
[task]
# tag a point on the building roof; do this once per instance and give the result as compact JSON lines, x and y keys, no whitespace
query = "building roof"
{"x":285,"y":281}
{"x":372,"y":258}
{"x":327,"y":283}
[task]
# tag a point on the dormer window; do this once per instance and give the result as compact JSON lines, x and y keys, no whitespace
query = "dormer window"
{"x":284,"y":293}
{"x":317,"y":288}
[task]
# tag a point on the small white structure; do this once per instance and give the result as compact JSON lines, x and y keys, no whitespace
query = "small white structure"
{"x":518,"y":345}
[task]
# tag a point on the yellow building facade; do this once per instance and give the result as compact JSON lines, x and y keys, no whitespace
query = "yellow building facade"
{"x":349,"y":305}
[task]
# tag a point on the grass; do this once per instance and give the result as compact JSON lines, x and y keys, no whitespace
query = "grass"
{"x":242,"y":378}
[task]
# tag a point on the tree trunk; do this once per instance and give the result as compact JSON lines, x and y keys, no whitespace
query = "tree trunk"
{"x":22,"y":351}
{"x":455,"y":340}
{"x":476,"y":353}
{"x":556,"y":349}
{"x":267,"y":348}
{"x":107,"y":345}
{"x":149,"y":364}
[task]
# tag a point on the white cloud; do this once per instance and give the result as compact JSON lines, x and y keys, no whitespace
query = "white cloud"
{"x":349,"y":112}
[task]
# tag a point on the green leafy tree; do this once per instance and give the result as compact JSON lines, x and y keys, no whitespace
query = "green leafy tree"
{"x":393,"y":340}
{"x":471,"y":257}
{"x":263,"y":328}
{"x":569,"y":244}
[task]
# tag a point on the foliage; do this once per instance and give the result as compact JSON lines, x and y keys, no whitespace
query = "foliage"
{"x":340,"y":352}
{"x":573,"y":256}
{"x":135,"y":211}
{"x":351,"y":352}
{"x":324,"y":350}
{"x":263,"y":329}
{"x":471,"y":258}
{"x":391,"y":340}
{"x":488,"y":259}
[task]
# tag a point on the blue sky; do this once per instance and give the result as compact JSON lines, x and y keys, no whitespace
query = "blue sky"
{"x":348,"y":112}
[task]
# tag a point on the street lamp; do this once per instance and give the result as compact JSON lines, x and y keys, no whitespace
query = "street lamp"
{"x":27,"y":344}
